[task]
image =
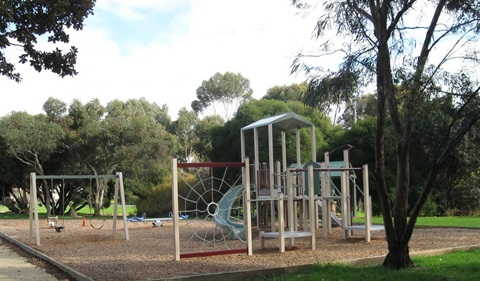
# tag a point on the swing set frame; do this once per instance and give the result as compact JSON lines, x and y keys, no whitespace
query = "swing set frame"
{"x":33,"y":210}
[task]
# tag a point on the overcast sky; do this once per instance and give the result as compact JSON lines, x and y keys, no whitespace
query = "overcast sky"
{"x":162,"y":50}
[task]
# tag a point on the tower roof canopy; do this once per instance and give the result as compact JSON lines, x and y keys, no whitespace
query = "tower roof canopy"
{"x":285,"y":121}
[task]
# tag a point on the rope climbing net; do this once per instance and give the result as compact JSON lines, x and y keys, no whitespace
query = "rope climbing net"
{"x":208,"y":200}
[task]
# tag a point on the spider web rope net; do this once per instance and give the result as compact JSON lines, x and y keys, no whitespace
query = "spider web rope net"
{"x":210,"y":201}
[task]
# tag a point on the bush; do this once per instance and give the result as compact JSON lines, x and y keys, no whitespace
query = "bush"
{"x":429,"y":209}
{"x":157,"y":201}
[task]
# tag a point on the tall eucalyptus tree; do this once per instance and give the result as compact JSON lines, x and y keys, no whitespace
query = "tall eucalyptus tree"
{"x":409,"y":49}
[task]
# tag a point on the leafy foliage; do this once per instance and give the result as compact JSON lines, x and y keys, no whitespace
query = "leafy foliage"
{"x":24,"y":23}
{"x":361,"y":107}
{"x":228,"y":137}
{"x":222,"y":90}
{"x":333,"y":89}
{"x":89,"y":140}
{"x":184,"y":128}
{"x":292,"y":92}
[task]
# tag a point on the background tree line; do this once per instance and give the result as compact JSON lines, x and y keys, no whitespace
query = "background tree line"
{"x":139,"y":139}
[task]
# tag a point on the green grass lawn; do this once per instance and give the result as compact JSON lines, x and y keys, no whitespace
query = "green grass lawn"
{"x":454,"y":221}
{"x":456,"y":266}
{"x":86,"y":211}
{"x":470,"y":221}
{"x":3,"y":209}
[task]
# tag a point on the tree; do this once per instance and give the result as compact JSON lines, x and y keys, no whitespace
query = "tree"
{"x":24,"y":23}
{"x":32,"y":140}
{"x":204,"y":130}
{"x":287,"y":93}
{"x":55,"y":109}
{"x":357,"y":109}
{"x":332,"y":89}
{"x":123,"y":136}
{"x":407,"y":55}
{"x":228,"y":91}
{"x":226,"y":139}
{"x":13,"y":182}
{"x":138,"y":144}
{"x":88,"y":152}
{"x":185,"y":130}
{"x":457,"y":187}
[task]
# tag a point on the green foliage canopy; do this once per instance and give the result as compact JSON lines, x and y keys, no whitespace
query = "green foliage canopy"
{"x":227,"y":91}
{"x":24,"y":23}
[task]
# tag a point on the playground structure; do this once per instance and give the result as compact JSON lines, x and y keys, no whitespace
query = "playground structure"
{"x":33,"y":211}
{"x":311,"y":184}
{"x":308,"y":191}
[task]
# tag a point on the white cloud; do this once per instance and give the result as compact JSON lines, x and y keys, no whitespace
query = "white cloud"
{"x":256,"y":38}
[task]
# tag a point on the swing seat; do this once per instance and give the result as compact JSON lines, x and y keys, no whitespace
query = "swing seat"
{"x":52,"y":221}
{"x":59,"y":228}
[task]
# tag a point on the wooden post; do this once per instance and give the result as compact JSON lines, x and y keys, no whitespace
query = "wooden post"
{"x":290,"y":210}
{"x":176,"y":226}
{"x":346,"y":163}
{"x":248,"y":210}
{"x":278,"y":178}
{"x":284,"y":151}
{"x":281,"y":223}
{"x":256,"y":167}
{"x":314,"y":145}
{"x":343,"y":179}
{"x":311,"y":209}
{"x":270,"y":175}
{"x":124,"y":208}
{"x":33,"y":210}
{"x":326,"y":224}
{"x":115,"y":206}
{"x":367,"y":205}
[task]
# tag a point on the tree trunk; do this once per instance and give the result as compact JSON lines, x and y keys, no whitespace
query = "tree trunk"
{"x":99,"y":197}
{"x":398,"y":257}
{"x":398,"y":253}
{"x":11,"y":205}
{"x":72,"y":212}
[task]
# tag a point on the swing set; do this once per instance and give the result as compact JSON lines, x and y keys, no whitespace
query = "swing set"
{"x":53,"y":220}
{"x":90,"y":221}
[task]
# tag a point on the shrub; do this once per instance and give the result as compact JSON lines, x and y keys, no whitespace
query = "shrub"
{"x":157,"y":201}
{"x":429,"y":209}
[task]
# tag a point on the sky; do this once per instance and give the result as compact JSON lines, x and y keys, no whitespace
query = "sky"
{"x":162,"y":50}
